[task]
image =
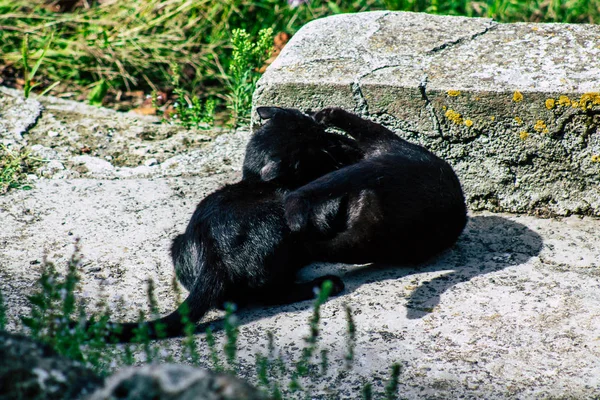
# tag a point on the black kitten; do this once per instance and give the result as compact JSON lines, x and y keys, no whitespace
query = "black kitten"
{"x":399,"y":204}
{"x":237,"y":246}
{"x":292,"y":149}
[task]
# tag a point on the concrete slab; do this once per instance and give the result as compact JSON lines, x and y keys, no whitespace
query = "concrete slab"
{"x":516,"y":118}
{"x":512,"y":311}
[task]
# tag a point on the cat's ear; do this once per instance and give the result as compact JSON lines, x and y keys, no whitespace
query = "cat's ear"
{"x":270,"y":171}
{"x":268,"y":112}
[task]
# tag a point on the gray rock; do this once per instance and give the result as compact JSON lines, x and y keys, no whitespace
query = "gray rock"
{"x":175,"y":382}
{"x":30,"y":370}
{"x":151,"y":162}
{"x":17,"y":114}
{"x":516,"y":118}
{"x":50,"y":168}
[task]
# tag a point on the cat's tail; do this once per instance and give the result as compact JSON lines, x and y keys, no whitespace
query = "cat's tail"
{"x":204,"y":295}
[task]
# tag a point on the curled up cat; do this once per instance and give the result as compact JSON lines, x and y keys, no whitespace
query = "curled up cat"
{"x":400,"y":202}
{"x":310,"y":195}
{"x":237,"y":246}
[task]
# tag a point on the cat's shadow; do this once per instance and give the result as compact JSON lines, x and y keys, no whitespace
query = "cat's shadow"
{"x":488,"y":244}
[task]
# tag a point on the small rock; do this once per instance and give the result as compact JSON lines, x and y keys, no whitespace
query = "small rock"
{"x":51,"y":168}
{"x":44,"y":152}
{"x":31,"y":370}
{"x":94,"y":165}
{"x":150,"y":162}
{"x":172,"y":381}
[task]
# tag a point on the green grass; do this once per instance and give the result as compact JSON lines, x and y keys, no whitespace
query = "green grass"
{"x":55,"y":310}
{"x":118,"y":46}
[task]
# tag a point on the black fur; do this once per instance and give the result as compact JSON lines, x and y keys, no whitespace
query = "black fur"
{"x":309,"y":195}
{"x":292,"y":149}
{"x":399,"y":204}
{"x":237,"y":246}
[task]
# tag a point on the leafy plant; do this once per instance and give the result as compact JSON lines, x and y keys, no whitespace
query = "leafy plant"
{"x":246,"y":58}
{"x":28,"y":74}
{"x":190,"y":111}
{"x":391,"y":389}
{"x":54,"y":308}
{"x":97,"y":94}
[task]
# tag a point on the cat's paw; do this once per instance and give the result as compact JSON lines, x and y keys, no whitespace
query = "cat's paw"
{"x":337,"y":286}
{"x":329,"y":116}
{"x":297,"y":212}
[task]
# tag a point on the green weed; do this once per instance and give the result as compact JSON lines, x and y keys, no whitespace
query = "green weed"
{"x":28,"y":74}
{"x":54,"y":307}
{"x":391,"y":389}
{"x":98,"y":92}
{"x":190,"y":111}
{"x":247,"y":57}
{"x":14,"y":167}
{"x":3,"y":318}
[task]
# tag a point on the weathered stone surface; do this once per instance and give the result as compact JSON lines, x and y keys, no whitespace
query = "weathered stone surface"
{"x":16,"y":115}
{"x":31,"y":370}
{"x":174,"y":382}
{"x":512,"y":311}
{"x":515,"y":108}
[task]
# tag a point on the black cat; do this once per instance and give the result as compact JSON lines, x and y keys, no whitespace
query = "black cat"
{"x":237,"y":246}
{"x":399,"y":204}
{"x":292,"y":149}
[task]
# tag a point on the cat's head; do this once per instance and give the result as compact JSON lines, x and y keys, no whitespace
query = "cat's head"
{"x":292,"y":149}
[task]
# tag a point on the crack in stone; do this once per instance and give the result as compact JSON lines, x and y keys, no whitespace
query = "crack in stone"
{"x":361,"y":103}
{"x":453,"y":43}
{"x":429,"y":107}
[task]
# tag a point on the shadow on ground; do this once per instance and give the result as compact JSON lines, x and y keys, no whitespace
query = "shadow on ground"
{"x":488,"y":244}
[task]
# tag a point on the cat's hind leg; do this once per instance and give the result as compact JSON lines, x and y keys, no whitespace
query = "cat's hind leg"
{"x":305,"y":207}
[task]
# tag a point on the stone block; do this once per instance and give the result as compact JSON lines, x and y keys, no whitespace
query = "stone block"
{"x":515,"y":108}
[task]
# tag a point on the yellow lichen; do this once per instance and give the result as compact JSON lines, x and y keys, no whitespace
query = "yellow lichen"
{"x":444,"y":108}
{"x":539,"y":125}
{"x":492,"y":118}
{"x":454,"y":117}
{"x":534,"y":28}
{"x":523,"y":135}
{"x":453,"y":93}
{"x":588,"y":100}
{"x":550,"y":103}
{"x":517,"y":97}
{"x":545,"y":131}
{"x":564,"y":101}
{"x":518,"y":120}
{"x":574,"y":104}
{"x":596,"y":158}
{"x":468,"y":123}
